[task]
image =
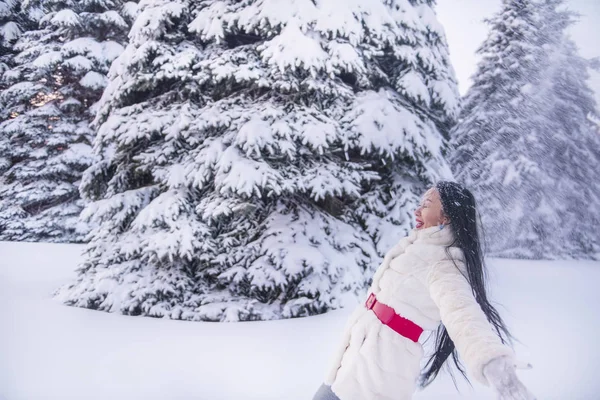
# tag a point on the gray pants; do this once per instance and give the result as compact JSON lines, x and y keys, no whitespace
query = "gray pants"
{"x":325,"y":393}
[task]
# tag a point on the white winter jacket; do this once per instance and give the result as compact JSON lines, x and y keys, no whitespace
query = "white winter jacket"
{"x":421,"y":283}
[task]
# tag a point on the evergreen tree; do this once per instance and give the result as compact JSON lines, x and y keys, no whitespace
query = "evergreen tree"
{"x":571,"y":144}
{"x":255,"y":158}
{"x":524,"y":142}
{"x":15,"y":18}
{"x":45,"y":140}
{"x":9,"y":26}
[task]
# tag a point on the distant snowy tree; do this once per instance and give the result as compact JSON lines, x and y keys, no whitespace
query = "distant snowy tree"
{"x":571,"y":144}
{"x":524,"y":141}
{"x":45,"y":110}
{"x":256,"y":158}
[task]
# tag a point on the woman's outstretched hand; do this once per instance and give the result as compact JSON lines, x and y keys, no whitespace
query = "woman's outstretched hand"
{"x":502,"y":376}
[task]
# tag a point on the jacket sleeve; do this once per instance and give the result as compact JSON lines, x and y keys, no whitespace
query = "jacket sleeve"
{"x":473,"y":335}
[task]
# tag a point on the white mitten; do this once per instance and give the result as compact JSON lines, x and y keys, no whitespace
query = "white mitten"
{"x":502,"y":376}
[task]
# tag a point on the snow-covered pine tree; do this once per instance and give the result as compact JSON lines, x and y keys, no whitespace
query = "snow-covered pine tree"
{"x":45,"y":140}
{"x":9,"y":26}
{"x":570,"y":145}
{"x":255,"y":158}
{"x":493,"y":131}
{"x":515,"y":128}
{"x":15,"y":18}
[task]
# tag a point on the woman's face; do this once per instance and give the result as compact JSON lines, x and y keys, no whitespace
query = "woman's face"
{"x":429,"y":213}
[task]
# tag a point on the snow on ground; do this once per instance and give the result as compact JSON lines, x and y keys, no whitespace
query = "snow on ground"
{"x":49,"y":351}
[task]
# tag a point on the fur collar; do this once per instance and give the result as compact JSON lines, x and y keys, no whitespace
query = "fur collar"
{"x":433,"y":235}
{"x":428,"y":236}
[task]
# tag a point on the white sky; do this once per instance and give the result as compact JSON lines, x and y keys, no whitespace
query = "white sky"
{"x":465,"y":31}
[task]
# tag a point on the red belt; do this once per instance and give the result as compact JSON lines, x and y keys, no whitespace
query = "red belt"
{"x":388,"y":317}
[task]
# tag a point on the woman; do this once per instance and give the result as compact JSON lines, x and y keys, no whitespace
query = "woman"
{"x":435,"y":274}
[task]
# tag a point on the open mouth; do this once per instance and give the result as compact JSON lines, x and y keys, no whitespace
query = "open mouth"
{"x":419,"y":224}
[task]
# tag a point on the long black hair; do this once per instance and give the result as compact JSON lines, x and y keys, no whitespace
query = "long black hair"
{"x":458,"y":204}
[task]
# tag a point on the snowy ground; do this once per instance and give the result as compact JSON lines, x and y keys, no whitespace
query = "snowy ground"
{"x":49,"y":351}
